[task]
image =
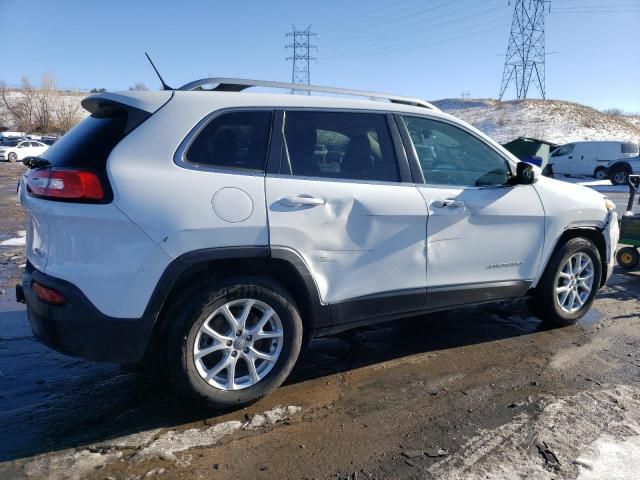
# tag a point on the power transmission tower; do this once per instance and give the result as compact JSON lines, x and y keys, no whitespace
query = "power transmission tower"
{"x":525,"y":58}
{"x":302,"y":58}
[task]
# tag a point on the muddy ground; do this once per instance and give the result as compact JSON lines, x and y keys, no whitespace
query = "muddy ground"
{"x":474,"y":393}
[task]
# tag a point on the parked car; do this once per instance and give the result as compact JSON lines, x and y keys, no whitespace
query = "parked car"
{"x":202,"y":230}
{"x":49,"y":140}
{"x":618,"y":171}
{"x":589,"y":158}
{"x":19,"y":150}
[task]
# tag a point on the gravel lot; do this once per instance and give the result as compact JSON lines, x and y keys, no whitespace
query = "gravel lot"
{"x":475,"y":393}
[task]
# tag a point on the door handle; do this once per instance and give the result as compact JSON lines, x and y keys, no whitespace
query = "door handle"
{"x":449,"y":202}
{"x":299,"y":200}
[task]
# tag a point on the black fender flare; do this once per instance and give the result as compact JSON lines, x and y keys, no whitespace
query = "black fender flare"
{"x":318,"y":312}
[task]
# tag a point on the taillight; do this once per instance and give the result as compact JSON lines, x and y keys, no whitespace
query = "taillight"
{"x":65,"y":184}
{"x":48,"y":295}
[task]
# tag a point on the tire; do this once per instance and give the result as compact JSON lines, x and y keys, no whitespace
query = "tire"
{"x":12,"y":157}
{"x":185,"y":336}
{"x":628,"y":258}
{"x":600,"y":173}
{"x":619,"y":174}
{"x":546,"y":301}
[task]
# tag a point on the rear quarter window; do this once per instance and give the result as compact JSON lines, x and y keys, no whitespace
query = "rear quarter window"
{"x":88,"y":144}
{"x":233,"y":140}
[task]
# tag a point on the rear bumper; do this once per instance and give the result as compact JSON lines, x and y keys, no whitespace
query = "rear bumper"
{"x":78,"y":329}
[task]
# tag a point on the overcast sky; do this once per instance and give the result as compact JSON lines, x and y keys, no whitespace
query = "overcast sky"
{"x":426,"y":48}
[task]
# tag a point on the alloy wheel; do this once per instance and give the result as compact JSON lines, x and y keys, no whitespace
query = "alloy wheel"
{"x":238,"y":344}
{"x":574,"y":282}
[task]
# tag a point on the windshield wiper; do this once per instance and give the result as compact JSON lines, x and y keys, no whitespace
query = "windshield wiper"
{"x":36,"y":162}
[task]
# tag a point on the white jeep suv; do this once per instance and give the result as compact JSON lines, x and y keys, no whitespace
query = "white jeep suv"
{"x":218,"y":230}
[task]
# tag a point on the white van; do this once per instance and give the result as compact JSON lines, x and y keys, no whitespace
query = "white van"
{"x":589,"y":158}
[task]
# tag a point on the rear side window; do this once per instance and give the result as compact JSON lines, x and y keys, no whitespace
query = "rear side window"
{"x":236,"y":140}
{"x":630,"y":148}
{"x":88,"y":144}
{"x":342,"y":145}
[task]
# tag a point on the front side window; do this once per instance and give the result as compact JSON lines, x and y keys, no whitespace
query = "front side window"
{"x":450,"y":156}
{"x":341,"y":145}
{"x":564,"y":150}
{"x":236,"y":140}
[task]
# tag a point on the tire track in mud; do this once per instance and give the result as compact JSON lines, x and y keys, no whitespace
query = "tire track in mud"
{"x":568,"y":426}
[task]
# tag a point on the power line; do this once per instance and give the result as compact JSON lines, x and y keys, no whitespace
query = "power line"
{"x":425,"y":42}
{"x":301,"y":46}
{"x":397,"y":13}
{"x":525,"y":59}
{"x":434,"y":24}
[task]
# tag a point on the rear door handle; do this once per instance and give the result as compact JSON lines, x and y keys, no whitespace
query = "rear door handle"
{"x":449,"y":202}
{"x":299,"y":200}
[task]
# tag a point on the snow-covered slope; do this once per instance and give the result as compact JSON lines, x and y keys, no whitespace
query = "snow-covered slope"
{"x":552,"y":120}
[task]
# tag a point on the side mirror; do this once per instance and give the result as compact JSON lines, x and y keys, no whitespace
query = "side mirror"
{"x":527,"y":174}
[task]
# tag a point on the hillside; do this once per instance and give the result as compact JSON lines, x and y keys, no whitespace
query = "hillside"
{"x":552,"y":120}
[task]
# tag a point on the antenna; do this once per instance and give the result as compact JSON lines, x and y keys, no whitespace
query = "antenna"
{"x":164,"y":85}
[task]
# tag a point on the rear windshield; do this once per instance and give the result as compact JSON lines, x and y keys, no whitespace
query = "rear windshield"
{"x":89,"y":143}
{"x":630,"y":148}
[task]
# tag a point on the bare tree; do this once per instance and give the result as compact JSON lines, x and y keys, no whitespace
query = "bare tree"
{"x":138,"y":86}
{"x":44,"y":104}
{"x":67,"y":113}
{"x":21,"y":104}
{"x":44,"y":109}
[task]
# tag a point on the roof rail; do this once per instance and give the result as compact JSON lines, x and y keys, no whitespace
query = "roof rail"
{"x":239,"y":84}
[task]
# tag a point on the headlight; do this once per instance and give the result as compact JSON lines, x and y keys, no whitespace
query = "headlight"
{"x":609,"y":204}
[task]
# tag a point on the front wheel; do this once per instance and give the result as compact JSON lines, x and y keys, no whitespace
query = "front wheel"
{"x":569,"y":284}
{"x":628,"y":258}
{"x":12,"y":157}
{"x":234,"y":342}
{"x":600,"y":173}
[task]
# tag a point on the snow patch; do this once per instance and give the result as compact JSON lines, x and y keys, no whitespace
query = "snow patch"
{"x":19,"y":241}
{"x":76,"y":465}
{"x":608,"y":457}
{"x":565,"y":427}
{"x":599,"y":185}
{"x":172,"y":442}
{"x":72,"y":466}
{"x":135,"y":440}
{"x":272,"y":416}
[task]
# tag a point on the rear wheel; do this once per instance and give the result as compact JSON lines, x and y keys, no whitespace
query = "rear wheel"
{"x":619,"y":174}
{"x":12,"y":157}
{"x":628,"y":258}
{"x":568,"y":286}
{"x":600,"y":173}
{"x":234,"y":342}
